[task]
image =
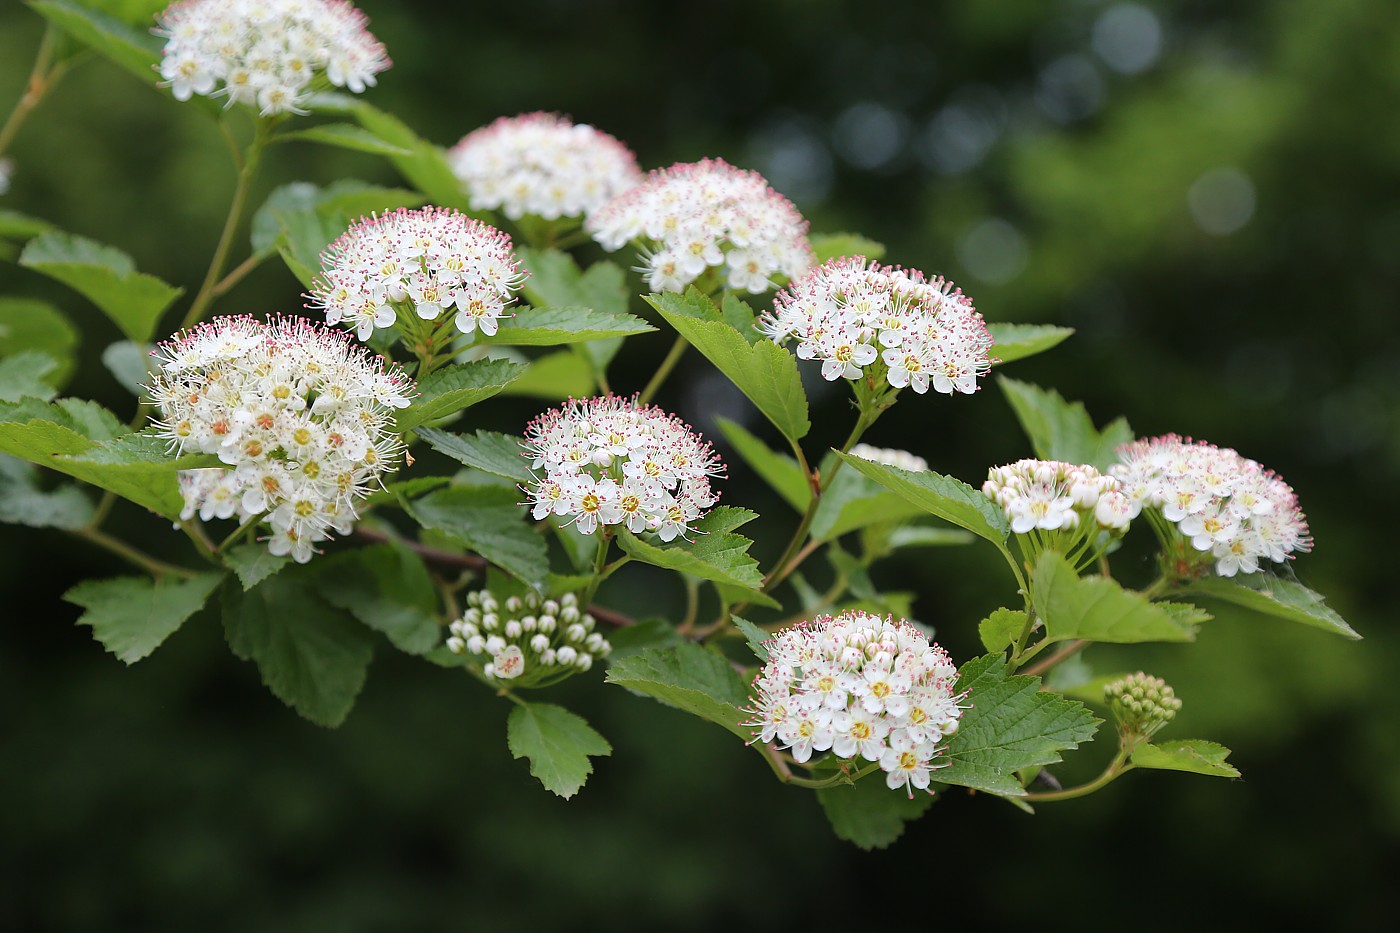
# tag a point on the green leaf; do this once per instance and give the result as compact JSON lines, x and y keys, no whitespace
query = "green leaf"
{"x":312,"y":656}
{"x":950,"y":499}
{"x":868,"y":813}
{"x":558,"y":744}
{"x":127,"y":362}
{"x":387,"y":588}
{"x":253,"y":563}
{"x":556,"y":281}
{"x":1018,"y":341}
{"x":738,"y":315}
{"x":336,"y":206}
{"x":26,"y":374}
{"x":489,"y":521}
{"x":456,"y":388}
{"x":20,"y":227}
{"x":1194,"y":755}
{"x":1059,"y":430}
{"x":1010,"y":724}
{"x":833,"y":245}
{"x":24,"y":502}
{"x":497,"y":454}
{"x":1098,"y":609}
{"x":927,"y":536}
{"x":715,"y":554}
{"x":854,"y":501}
{"x":776,"y":469}
{"x":131,"y":616}
{"x":689,"y":678}
{"x":136,"y":51}
{"x":557,"y":376}
{"x":544,"y":327}
{"x":36,"y":325}
{"x":346,"y":136}
{"x":765,"y":372}
{"x":105,"y":276}
{"x":1001,"y":628}
{"x":634,"y":639}
{"x":755,"y":635}
{"x":1274,"y":596}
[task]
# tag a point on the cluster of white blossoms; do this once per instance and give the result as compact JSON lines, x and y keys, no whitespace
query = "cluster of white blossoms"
{"x":889,"y":456}
{"x":266,"y":53}
{"x":426,"y":262}
{"x":695,"y":216}
{"x":859,"y":685}
{"x":542,"y":164}
{"x":1227,"y":506}
{"x":299,"y":412}
{"x":530,"y":640}
{"x":850,"y":312}
{"x":609,"y":461}
{"x":1049,"y":495}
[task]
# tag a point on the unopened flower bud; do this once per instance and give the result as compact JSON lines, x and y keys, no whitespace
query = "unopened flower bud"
{"x":1141,"y":704}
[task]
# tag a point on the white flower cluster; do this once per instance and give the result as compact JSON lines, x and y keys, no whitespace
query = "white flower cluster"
{"x":266,"y":53}
{"x":530,"y":640}
{"x":889,"y":456}
{"x":691,"y":217}
{"x":858,"y":684}
{"x":1050,"y":495}
{"x":300,"y":413}
{"x":541,"y":164}
{"x":608,"y":461}
{"x":1226,"y":505}
{"x":422,"y":261}
{"x":849,"y":313}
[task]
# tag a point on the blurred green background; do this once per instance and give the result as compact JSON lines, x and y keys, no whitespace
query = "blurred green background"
{"x":1209,"y":193}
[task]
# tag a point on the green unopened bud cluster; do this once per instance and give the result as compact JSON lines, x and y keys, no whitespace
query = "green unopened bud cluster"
{"x":527,"y":639}
{"x":1141,"y":704}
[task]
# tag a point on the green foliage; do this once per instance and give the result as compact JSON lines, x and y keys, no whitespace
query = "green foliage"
{"x":647,"y":633}
{"x":544,"y":327}
{"x":778,"y":470}
{"x":1018,"y":341}
{"x":27,"y":374}
{"x":1274,"y":596}
{"x":832,"y":245}
{"x":105,"y":276}
{"x":689,"y":678}
{"x":131,"y":616}
{"x":134,"y":50}
{"x":948,"y":498}
{"x":253,"y":563}
{"x":1000,"y":629}
{"x":18,"y":227}
{"x":26,"y":324}
{"x":715,"y":554}
{"x":497,"y":454}
{"x":388,"y":589}
{"x":1194,"y":755}
{"x":558,"y":744}
{"x":853,"y":501}
{"x":1098,"y":609}
{"x":487,"y":520}
{"x":456,"y":388}
{"x":563,"y":374}
{"x":127,"y":362}
{"x":868,"y":813}
{"x":346,"y":136}
{"x":555,"y":280}
{"x":24,"y":502}
{"x":306,"y":217}
{"x":755,"y":636}
{"x":1059,"y":430}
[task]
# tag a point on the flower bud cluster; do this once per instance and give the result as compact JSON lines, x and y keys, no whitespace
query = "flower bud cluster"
{"x":1141,"y":704}
{"x":859,"y":685}
{"x":300,"y":413}
{"x":541,"y":164}
{"x":1227,"y":506}
{"x":266,"y":53}
{"x":530,"y":640}
{"x":889,"y":456}
{"x":422,"y":262}
{"x":1050,"y":495}
{"x":609,"y":461}
{"x":850,"y":313}
{"x":702,"y":215}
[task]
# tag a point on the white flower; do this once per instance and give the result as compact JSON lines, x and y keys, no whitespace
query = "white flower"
{"x":902,"y":459}
{"x":1049,"y":495}
{"x":541,"y":164}
{"x":522,"y":647}
{"x":266,"y":53}
{"x":692,"y":217}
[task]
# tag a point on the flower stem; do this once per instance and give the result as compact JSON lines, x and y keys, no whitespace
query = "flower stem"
{"x":132,"y":555}
{"x":1045,"y":664}
{"x":42,"y":77}
{"x":1115,"y":768}
{"x":664,"y":370}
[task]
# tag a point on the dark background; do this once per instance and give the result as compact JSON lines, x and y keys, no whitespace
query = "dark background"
{"x":1207,"y":192}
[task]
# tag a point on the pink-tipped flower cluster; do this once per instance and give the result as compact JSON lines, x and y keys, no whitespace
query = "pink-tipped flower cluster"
{"x":299,"y":412}
{"x":859,"y":685}
{"x":266,"y":53}
{"x":1226,"y":505}
{"x":426,"y":263}
{"x":693,"y":217}
{"x":542,"y":164}
{"x":851,"y":314}
{"x":1049,"y":495}
{"x":610,"y":461}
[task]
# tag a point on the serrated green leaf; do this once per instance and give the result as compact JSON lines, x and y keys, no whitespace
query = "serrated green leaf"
{"x":778,"y":470}
{"x":544,"y":327}
{"x":689,"y":678}
{"x":136,"y":51}
{"x":20,"y":227}
{"x":556,"y":376}
{"x":927,"y":536}
{"x":950,"y":499}
{"x":312,"y":656}
{"x":23,"y":502}
{"x":715,"y":553}
{"x":1010,"y":724}
{"x":1060,"y":430}
{"x":834,"y":245}
{"x":634,"y":639}
{"x":37,"y":325}
{"x":765,"y":372}
{"x":25,"y":374}
{"x":1194,"y":755}
{"x":737,"y":314}
{"x":1098,"y":609}
{"x":868,"y":813}
{"x":1017,"y":341}
{"x":755,"y":635}
{"x":456,"y":388}
{"x":556,"y":281}
{"x":131,"y":616}
{"x":497,"y":454}
{"x":558,"y":744}
{"x":489,"y":521}
{"x":1001,"y":628}
{"x":1273,"y":596}
{"x":386,"y":587}
{"x":253,"y":563}
{"x":105,"y":276}
{"x":853,"y":501}
{"x":346,"y":136}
